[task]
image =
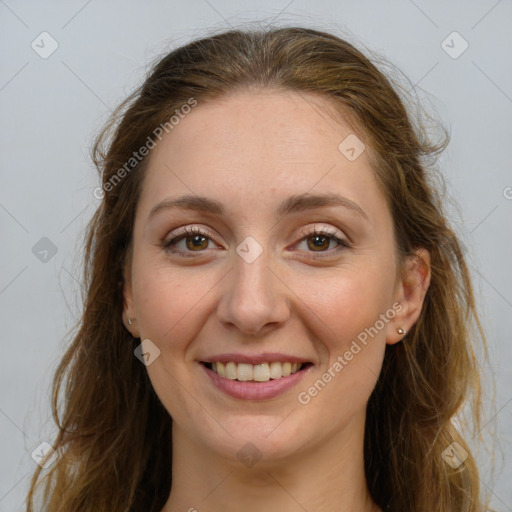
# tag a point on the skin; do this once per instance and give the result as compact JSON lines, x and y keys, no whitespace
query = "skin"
{"x":250,"y":151}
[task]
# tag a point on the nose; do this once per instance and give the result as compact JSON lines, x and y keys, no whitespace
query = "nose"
{"x":255,"y":300}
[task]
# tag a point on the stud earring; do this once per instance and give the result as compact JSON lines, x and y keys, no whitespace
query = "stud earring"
{"x":400,"y":331}
{"x":130,"y":320}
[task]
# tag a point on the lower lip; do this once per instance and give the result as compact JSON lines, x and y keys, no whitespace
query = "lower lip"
{"x":255,"y":390}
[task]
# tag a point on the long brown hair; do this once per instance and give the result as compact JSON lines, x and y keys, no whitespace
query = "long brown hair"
{"x":114,"y":439}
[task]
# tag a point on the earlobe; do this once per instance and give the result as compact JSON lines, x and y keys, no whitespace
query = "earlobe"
{"x":129,"y":317}
{"x":410,"y":293}
{"x":130,"y":324}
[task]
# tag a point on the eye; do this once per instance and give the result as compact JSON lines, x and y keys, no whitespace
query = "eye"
{"x":194,"y":239}
{"x":319,"y":240}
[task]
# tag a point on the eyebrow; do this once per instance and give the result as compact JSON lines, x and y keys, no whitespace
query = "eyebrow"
{"x":293,"y":204}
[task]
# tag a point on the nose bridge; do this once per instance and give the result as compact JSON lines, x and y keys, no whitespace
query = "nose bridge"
{"x":253,"y":295}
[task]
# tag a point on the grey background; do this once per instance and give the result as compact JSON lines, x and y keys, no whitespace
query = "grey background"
{"x":51,"y":108}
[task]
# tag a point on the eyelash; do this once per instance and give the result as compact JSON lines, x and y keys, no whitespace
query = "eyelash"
{"x":342,"y":244}
{"x":195,"y":231}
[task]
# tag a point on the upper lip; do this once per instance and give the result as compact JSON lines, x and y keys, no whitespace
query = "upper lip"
{"x":254,"y":358}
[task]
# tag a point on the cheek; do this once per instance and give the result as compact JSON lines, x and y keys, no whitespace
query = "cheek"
{"x":167,"y":300}
{"x":351,"y":300}
{"x":356,"y":307}
{"x":168,"y":305}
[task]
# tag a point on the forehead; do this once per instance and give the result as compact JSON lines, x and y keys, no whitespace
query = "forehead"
{"x":288,"y":126}
{"x":253,"y":146}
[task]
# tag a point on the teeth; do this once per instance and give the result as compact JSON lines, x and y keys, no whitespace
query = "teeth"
{"x":244,"y":372}
{"x":260,"y":372}
{"x":276,"y":370}
{"x":230,"y":371}
{"x":221,"y":369}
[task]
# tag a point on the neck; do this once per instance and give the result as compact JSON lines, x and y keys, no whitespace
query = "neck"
{"x":325,"y":478}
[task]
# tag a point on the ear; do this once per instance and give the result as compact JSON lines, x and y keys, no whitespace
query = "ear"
{"x":129,"y":312}
{"x":410,"y":293}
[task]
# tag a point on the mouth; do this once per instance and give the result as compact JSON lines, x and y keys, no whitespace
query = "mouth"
{"x":263,"y":372}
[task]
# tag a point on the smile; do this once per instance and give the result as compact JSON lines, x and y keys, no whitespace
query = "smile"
{"x":260,"y":381}
{"x":262,"y":372}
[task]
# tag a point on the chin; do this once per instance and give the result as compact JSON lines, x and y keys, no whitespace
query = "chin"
{"x":258,"y":439}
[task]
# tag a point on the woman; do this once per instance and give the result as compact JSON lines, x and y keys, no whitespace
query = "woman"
{"x":278,"y":315}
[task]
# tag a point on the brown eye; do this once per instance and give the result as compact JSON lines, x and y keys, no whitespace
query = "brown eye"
{"x":319,"y":242}
{"x":196,"y":242}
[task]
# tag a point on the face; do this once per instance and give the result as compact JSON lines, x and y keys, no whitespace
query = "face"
{"x":280,"y":259}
